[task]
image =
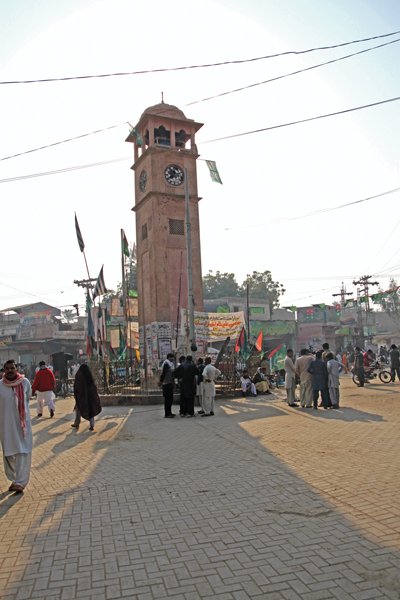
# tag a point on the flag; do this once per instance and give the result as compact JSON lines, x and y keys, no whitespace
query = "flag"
{"x":79,"y":235}
{"x":100,"y":287}
{"x":212,"y":167}
{"x":278,"y":359}
{"x":124,"y":244}
{"x":274,"y":351}
{"x":132,"y":293}
{"x":241,"y":343}
{"x":240,"y":340}
{"x":259,"y":342}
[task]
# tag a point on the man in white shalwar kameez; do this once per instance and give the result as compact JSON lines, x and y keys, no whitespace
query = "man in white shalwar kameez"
{"x":334,"y":370}
{"x":15,"y":426}
{"x":210,"y":374}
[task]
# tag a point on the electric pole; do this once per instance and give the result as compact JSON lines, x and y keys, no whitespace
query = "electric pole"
{"x":343,"y":295}
{"x":364,"y":282}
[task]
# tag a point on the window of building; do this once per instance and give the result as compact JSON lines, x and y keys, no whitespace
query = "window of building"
{"x":162,"y":136}
{"x":144,"y":231}
{"x":181,"y":137}
{"x":176,"y":227}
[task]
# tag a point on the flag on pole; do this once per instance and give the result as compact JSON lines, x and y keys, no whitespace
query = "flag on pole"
{"x":100,"y":287}
{"x":242,"y":344}
{"x":79,"y":235}
{"x":212,"y":167}
{"x":124,"y":244}
{"x":259,"y":342}
{"x":274,"y":351}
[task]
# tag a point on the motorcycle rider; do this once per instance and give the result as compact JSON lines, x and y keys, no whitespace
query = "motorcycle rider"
{"x":369,"y":360}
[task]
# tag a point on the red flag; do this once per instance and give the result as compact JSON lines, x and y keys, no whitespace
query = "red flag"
{"x":259,"y":342}
{"x":240,"y":341}
{"x":274,"y":351}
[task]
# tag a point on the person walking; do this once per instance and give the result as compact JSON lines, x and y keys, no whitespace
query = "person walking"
{"x":290,"y":379}
{"x":167,"y":383}
{"x":394,"y":356}
{"x":301,"y":365}
{"x":15,"y":427}
{"x":359,"y":366}
{"x":210,"y":374}
{"x":87,"y":401}
{"x":319,"y":374}
{"x":186,"y":373}
{"x":43,"y":386}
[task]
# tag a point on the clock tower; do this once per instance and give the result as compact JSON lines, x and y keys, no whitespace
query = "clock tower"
{"x":165,"y":154}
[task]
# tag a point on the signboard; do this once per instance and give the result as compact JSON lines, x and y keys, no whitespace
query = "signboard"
{"x":213,"y":326}
{"x":116,"y":308}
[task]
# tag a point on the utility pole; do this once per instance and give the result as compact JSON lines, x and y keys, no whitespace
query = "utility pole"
{"x":87,"y":284}
{"x":192,"y":333}
{"x":364,"y":282}
{"x":343,"y":295}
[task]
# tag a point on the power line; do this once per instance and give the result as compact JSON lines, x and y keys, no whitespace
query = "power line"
{"x":77,"y":137}
{"x":200,"y":66}
{"x":339,"y":112}
{"x":323,"y":210}
{"x":65,"y":170}
{"x":252,"y":85}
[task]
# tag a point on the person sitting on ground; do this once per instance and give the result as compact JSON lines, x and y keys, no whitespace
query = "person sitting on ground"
{"x":247,"y":384}
{"x":260,"y":381}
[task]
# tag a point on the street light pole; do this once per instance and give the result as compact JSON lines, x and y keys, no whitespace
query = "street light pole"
{"x":192,"y":335}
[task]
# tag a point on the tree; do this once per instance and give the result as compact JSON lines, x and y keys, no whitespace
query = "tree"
{"x":263,"y":287}
{"x":389,"y":300}
{"x":68,"y":316}
{"x":220,"y":285}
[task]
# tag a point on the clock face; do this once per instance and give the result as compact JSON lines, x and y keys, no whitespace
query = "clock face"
{"x":142,"y":180}
{"x":174,"y":175}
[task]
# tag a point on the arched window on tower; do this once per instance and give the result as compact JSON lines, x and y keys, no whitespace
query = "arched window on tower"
{"x":181,"y":137}
{"x":162,"y":136}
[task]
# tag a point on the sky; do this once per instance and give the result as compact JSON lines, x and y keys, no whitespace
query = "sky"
{"x":259,"y":219}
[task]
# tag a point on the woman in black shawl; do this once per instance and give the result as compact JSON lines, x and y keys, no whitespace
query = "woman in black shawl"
{"x":87,"y":401}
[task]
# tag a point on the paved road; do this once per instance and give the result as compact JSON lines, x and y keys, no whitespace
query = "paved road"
{"x":260,"y":501}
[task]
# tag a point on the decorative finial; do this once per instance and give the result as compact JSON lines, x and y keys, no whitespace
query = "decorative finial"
{"x":162,"y":97}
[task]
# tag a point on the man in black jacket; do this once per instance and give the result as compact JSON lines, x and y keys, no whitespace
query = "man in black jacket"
{"x":167,"y":382}
{"x":186,"y":373}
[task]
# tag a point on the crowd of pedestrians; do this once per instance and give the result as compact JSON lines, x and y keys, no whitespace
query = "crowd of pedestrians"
{"x":193,"y":380}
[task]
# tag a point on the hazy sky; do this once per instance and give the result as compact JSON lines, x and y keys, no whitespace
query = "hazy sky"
{"x":269,"y":177}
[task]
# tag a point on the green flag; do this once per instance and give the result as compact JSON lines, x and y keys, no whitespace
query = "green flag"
{"x":124,"y":244}
{"x":212,"y":167}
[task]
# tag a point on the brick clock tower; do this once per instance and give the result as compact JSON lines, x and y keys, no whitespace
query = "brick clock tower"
{"x":165,"y":150}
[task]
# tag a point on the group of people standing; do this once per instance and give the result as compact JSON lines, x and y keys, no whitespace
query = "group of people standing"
{"x":318,"y":376}
{"x":193,"y":380}
{"x":15,"y":422}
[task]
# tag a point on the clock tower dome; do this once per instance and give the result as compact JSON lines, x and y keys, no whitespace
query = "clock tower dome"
{"x":165,"y":154}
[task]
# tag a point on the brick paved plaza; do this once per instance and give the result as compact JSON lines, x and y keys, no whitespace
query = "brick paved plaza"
{"x":260,"y":501}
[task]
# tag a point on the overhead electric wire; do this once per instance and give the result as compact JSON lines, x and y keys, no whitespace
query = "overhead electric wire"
{"x":317,"y":212}
{"x":76,"y":137}
{"x":235,"y":135}
{"x":325,"y":116}
{"x":278,"y":77}
{"x":200,"y":66}
{"x":65,"y":170}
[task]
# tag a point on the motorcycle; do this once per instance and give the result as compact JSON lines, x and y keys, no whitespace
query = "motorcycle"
{"x":372,"y":372}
